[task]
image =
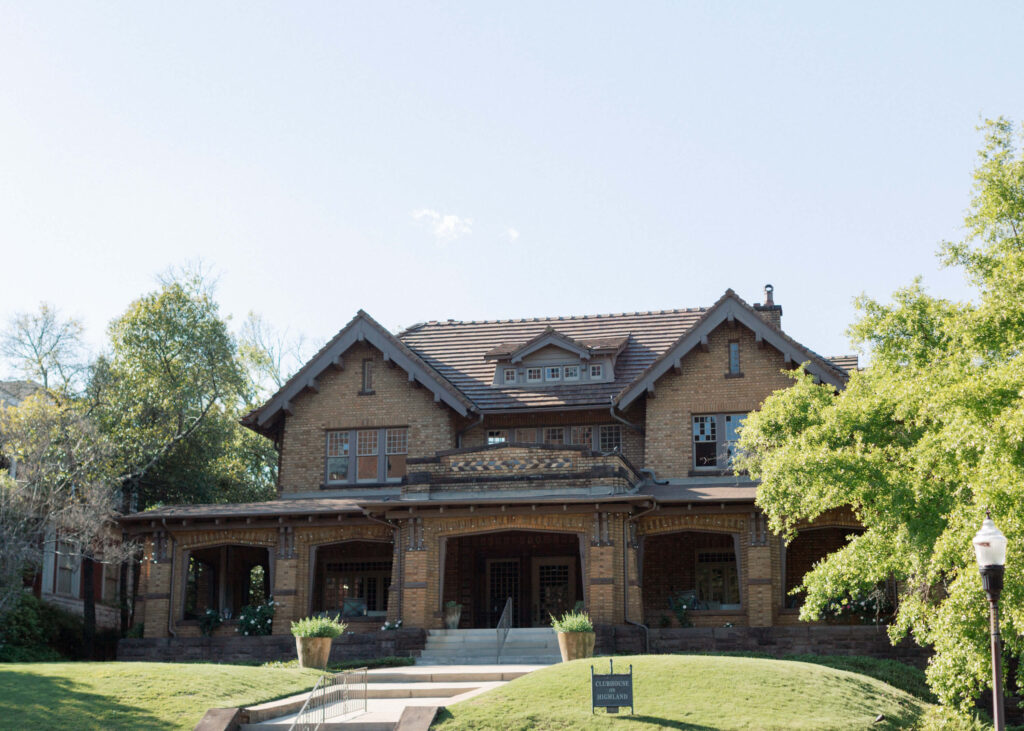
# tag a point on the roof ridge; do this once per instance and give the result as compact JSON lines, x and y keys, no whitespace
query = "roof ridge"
{"x":556,"y":318}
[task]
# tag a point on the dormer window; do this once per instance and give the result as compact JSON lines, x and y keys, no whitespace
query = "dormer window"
{"x":553,"y":373}
{"x":571,"y":373}
{"x":510,"y":375}
{"x":533,"y":375}
{"x":597,"y":370}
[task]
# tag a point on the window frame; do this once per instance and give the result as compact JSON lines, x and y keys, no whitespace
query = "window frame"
{"x":733,"y":364}
{"x":549,"y":431}
{"x":565,"y":373}
{"x":386,"y":442}
{"x":509,"y":372}
{"x":366,"y":384}
{"x":721,"y":425}
{"x":497,"y":436}
{"x":552,"y":373}
{"x":539,"y":377}
{"x":596,"y":371}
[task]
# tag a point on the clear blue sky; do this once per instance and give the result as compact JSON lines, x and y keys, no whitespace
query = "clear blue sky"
{"x":484,"y":160}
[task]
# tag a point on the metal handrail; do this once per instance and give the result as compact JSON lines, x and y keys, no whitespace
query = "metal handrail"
{"x":335,"y":694}
{"x":504,"y":624}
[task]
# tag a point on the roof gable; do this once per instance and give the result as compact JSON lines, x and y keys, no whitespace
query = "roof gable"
{"x":730,"y":308}
{"x":362,"y":328}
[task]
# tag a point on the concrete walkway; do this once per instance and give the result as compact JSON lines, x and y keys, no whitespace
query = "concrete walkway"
{"x":390,"y":690}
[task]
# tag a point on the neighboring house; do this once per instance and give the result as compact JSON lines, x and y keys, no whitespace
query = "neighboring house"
{"x":548,"y":460}
{"x":59,"y":582}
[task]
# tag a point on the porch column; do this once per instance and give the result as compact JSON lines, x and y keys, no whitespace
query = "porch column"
{"x":604,"y":569}
{"x":157,"y":580}
{"x":759,"y":589}
{"x":419,"y":562}
{"x":285,"y":588}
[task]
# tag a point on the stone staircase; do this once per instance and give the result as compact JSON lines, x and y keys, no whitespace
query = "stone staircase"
{"x":523,"y":646}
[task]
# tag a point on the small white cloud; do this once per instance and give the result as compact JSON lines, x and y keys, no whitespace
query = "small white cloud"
{"x":512,"y":234}
{"x":446,"y":227}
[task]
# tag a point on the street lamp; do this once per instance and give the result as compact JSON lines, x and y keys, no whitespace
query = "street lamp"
{"x":990,"y":549}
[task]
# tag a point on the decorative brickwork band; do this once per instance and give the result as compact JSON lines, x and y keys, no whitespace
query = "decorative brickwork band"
{"x":490,"y":465}
{"x":758,"y":529}
{"x":415,"y":530}
{"x":602,"y":530}
{"x":286,"y":542}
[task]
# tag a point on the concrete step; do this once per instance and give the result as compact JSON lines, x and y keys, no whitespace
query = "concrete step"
{"x":513,"y":632}
{"x":545,"y":659}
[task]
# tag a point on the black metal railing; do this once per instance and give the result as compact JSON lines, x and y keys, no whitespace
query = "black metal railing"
{"x":504,"y":624}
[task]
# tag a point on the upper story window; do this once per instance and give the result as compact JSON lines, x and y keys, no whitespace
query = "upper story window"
{"x":533,"y":375}
{"x":582,"y":435}
{"x":510,"y":375}
{"x":497,"y":436}
{"x":367,"y":376}
{"x":714,"y":440}
{"x":380,"y":455}
{"x":553,"y":373}
{"x":734,"y":359}
{"x":554,"y":435}
{"x":596,"y":370}
{"x":528,"y":436}
{"x":610,"y":438}
{"x":571,"y":373}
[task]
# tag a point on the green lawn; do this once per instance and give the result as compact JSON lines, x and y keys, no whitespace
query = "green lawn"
{"x":693,"y":692}
{"x":134,"y":695}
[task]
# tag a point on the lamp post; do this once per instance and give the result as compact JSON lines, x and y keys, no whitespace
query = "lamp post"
{"x":990,"y":550}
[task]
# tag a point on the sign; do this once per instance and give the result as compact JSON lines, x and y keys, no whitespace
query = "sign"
{"x":611,"y":691}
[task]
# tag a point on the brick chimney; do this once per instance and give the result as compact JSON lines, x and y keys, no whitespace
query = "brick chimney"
{"x":768,"y":310}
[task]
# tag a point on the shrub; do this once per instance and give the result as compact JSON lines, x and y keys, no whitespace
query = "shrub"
{"x":318,"y":627}
{"x":34,"y":631}
{"x":572,"y":622}
{"x":387,"y":626}
{"x":256,"y":620}
{"x":209,"y":621}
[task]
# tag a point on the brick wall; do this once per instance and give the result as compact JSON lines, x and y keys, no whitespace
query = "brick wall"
{"x":236,"y":649}
{"x":702,"y":388}
{"x":339,"y":405}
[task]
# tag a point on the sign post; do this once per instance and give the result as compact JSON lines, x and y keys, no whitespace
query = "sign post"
{"x":611,"y":691}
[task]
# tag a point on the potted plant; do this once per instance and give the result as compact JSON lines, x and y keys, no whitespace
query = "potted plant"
{"x":452,"y":614}
{"x":575,"y":635}
{"x":313,"y":637}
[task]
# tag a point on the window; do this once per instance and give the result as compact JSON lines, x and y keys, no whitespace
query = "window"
{"x":553,"y":373}
{"x":582,"y":435}
{"x":357,"y":588}
{"x":571,"y":373}
{"x":66,"y":574}
{"x":734,"y":358}
{"x":111,"y":580}
{"x":337,"y":456}
{"x":380,"y":455}
{"x":596,"y":370}
{"x":497,"y":436}
{"x":533,"y":375}
{"x":510,"y":375}
{"x":611,"y":438}
{"x":554,"y":435}
{"x":367,"y":376}
{"x":714,"y":440}
{"x":717,"y":580}
{"x":528,"y":436}
{"x":397,"y":447}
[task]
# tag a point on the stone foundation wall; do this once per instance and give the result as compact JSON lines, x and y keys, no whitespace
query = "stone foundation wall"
{"x":400,"y":643}
{"x":778,"y":641}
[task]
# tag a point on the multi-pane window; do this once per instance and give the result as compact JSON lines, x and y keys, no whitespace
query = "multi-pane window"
{"x":717,"y":579}
{"x":337,"y":456}
{"x":510,"y":375}
{"x":497,"y":436}
{"x":571,"y":373}
{"x":714,"y":439}
{"x":553,"y":373}
{"x":554,"y":435}
{"x":611,"y":438}
{"x":734,"y":358}
{"x":396,"y":449}
{"x":533,"y":375}
{"x":366,"y":455}
{"x":380,"y":455}
{"x":582,"y":435}
{"x":596,"y":370}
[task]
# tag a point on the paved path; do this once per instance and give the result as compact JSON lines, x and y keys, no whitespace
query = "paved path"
{"x":390,"y":690}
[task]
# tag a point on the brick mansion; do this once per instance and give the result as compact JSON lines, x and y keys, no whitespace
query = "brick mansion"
{"x":554,"y":462}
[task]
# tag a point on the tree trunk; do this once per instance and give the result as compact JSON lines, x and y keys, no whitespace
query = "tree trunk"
{"x":88,"y":607}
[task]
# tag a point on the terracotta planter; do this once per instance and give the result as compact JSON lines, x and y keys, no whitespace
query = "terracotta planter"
{"x":313,"y":651}
{"x":574,"y":645}
{"x":452,"y":615}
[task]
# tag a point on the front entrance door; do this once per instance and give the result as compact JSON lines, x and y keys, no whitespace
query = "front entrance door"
{"x":502,"y":583}
{"x":554,"y":581}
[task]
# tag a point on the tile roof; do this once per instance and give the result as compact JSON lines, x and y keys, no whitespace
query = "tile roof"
{"x":457,"y":349}
{"x":14,"y":392}
{"x":270,"y":508}
{"x":847,"y":363}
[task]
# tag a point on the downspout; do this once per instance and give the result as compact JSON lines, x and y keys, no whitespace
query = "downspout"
{"x":397,"y":533}
{"x":460,"y":432}
{"x":625,"y":577}
{"x":170,"y":599}
{"x":631,"y":425}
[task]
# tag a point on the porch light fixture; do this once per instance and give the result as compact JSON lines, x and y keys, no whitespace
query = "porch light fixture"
{"x":990,"y":550}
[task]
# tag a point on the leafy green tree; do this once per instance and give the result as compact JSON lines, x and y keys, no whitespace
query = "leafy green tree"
{"x":920,"y":443}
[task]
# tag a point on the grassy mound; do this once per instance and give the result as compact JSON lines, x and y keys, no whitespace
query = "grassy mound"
{"x":694,"y":692}
{"x":135,"y":695}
